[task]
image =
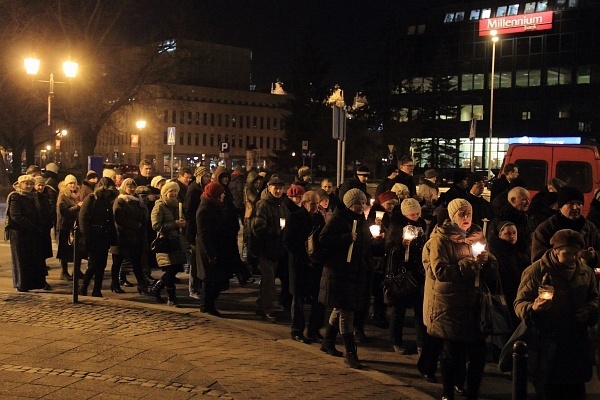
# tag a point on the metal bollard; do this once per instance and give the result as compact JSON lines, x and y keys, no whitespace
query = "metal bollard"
{"x":76,"y":263}
{"x":519,"y":372}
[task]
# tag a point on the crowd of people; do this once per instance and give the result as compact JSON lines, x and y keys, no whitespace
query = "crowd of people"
{"x":410,"y":228}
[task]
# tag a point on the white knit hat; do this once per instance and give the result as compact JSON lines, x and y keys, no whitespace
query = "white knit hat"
{"x":353,"y":196}
{"x":456,"y":205}
{"x":410,"y":206}
{"x":70,"y":179}
{"x":401,"y":190}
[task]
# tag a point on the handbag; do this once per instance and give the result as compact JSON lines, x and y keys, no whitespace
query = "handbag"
{"x":313,"y":250}
{"x":164,"y":243}
{"x":398,"y":286}
{"x":494,"y":316}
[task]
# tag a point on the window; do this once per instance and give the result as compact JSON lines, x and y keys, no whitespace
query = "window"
{"x":261,"y":142}
{"x":275,"y":123}
{"x":472,"y":81}
{"x":212,"y":119}
{"x":564,"y":112}
{"x":218,"y":139}
{"x":248,"y":122}
{"x":281,"y":124}
{"x":513,"y":9}
{"x":241,"y":144}
{"x":189,"y":117}
{"x":197,"y":118}
{"x":166,"y":115}
{"x":212,"y":140}
{"x":247,"y":141}
{"x":533,"y":172}
{"x":254,"y":122}
{"x":459,"y":16}
{"x":501,"y":11}
{"x":411,"y":30}
{"x":507,"y":48}
{"x":227,"y":120}
{"x":197,"y":140}
{"x":181,"y":117}
{"x":254,"y":140}
{"x":189,"y":137}
{"x":583,"y":74}
{"x":204,"y":139}
{"x":204,"y":119}
{"x":542,"y":6}
{"x":474,"y":15}
{"x":575,"y":173}
{"x":525,"y":115}
{"x":219,"y":120}
{"x":584,"y":126}
{"x":232,"y":140}
{"x":262,"y":123}
{"x":468,"y":111}
{"x":524,"y":78}
{"x":449,"y":18}
{"x":268,"y":123}
{"x":241,"y":121}
{"x":530,"y":7}
{"x":233,"y":121}
{"x":559,"y":76}
{"x":486,"y":13}
{"x":420,"y":29}
{"x":268,"y":142}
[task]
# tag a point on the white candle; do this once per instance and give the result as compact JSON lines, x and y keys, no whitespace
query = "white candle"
{"x":282,"y":223}
{"x":477,"y":248}
{"x":379,"y":214}
{"x":371,"y":202}
{"x":180,"y":210}
{"x":546,"y":295}
{"x":375,"y":230}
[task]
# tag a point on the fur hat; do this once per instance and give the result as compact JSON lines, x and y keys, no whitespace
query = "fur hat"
{"x":52,"y":167}
{"x":295,"y":191}
{"x":353,"y":196}
{"x":167,"y":187}
{"x":213,"y":190}
{"x":400,"y":189}
{"x":386,"y":196}
{"x":38,"y":180}
{"x":304,"y":171}
{"x":70,"y":179}
{"x":456,"y":205}
{"x":472,"y":179}
{"x":109,"y":173}
{"x":431,"y":173}
{"x":363,"y":170}
{"x":156,"y":180}
{"x":25,"y":178}
{"x":567,"y":237}
{"x":91,"y":174}
{"x":410,"y":206}
{"x":567,"y":194}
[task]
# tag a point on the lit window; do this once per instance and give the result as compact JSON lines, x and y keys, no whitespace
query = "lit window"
{"x":542,"y":6}
{"x":449,"y":18}
{"x":486,"y":13}
{"x":459,"y":16}
{"x":501,"y":11}
{"x":583,"y":74}
{"x":525,"y":115}
{"x":564,"y":112}
{"x":469,"y":111}
{"x":474,"y":15}
{"x":513,"y":9}
{"x":530,"y":7}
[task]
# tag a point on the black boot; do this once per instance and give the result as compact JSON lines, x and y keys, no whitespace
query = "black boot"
{"x":351,"y":354}
{"x":85,"y":282}
{"x":328,"y":345}
{"x":64,"y":275}
{"x":156,"y":289}
{"x":115,"y":286}
{"x":97,"y":290}
{"x":171,"y":292}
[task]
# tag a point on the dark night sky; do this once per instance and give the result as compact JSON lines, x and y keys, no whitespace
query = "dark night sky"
{"x":347,"y":32}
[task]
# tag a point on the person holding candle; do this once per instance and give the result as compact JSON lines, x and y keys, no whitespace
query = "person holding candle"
{"x":167,"y":221}
{"x":347,"y":240}
{"x":268,"y":234}
{"x":453,"y":277}
{"x":562,"y":321}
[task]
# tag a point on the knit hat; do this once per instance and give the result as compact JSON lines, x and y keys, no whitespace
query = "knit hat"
{"x":200,"y":171}
{"x":410,"y":206}
{"x":91,"y":174}
{"x":567,"y":237}
{"x":363,"y":170}
{"x":213,"y":190}
{"x":567,"y":194}
{"x":456,"y":205}
{"x":322,"y":194}
{"x":25,"y":178}
{"x":431,"y":173}
{"x":275,"y":181}
{"x":473,"y":179}
{"x":386,"y":196}
{"x":168,"y":187}
{"x":295,"y":191}
{"x":142,"y":190}
{"x":156,"y":180}
{"x":38,"y":180}
{"x":304,"y":171}
{"x":353,"y":196}
{"x":52,"y":167}
{"x":70,"y":179}
{"x":109,"y":173}
{"x":390,"y":169}
{"x":33,"y":169}
{"x":400,"y":189}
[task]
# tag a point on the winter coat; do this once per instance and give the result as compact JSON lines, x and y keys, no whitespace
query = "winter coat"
{"x":573,"y":357}
{"x":25,"y":229}
{"x":130,"y":221}
{"x":393,"y":238}
{"x":429,"y":191}
{"x":236,"y":187}
{"x":97,"y":222}
{"x":450,"y":304}
{"x":298,"y":227}
{"x":182,"y":191}
{"x":540,"y":208}
{"x":51,"y":179}
{"x":231,"y":213}
{"x":67,"y":212}
{"x":500,"y":185}
{"x":455,"y":192}
{"x":47,"y":217}
{"x":266,"y":227}
{"x":210,"y":243}
{"x":594,"y":213}
{"x":481,"y":209}
{"x":252,"y":195}
{"x":407,"y":180}
{"x":543,"y":233}
{"x":352,"y":183}
{"x":190,"y":207}
{"x":385,"y":185}
{"x":343,"y":283}
{"x":87,"y":188}
{"x":522,"y":223}
{"x":164,"y":217}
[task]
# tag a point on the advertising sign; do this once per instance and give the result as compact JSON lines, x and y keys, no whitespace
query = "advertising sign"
{"x":516,"y":23}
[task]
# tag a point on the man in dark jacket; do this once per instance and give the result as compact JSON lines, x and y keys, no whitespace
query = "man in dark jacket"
{"x":511,"y":171}
{"x":144,"y":177}
{"x":406,"y":167}
{"x":361,"y":176}
{"x":184,"y":178}
{"x":482,"y":209}
{"x":458,"y":190}
{"x":267,"y":228}
{"x":297,"y":229}
{"x":517,"y":213}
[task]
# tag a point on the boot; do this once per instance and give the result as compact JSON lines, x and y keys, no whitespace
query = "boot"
{"x":172,"y":301}
{"x":85,"y":283}
{"x":156,"y":289}
{"x":64,"y":275}
{"x":328,"y":345}
{"x":351,"y":355}
{"x":115,"y":286}
{"x":97,"y":290}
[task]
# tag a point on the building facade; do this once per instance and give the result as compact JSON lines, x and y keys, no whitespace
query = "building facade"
{"x":546,"y":76}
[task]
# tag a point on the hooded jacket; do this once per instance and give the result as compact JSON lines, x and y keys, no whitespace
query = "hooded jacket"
{"x":266,"y":226}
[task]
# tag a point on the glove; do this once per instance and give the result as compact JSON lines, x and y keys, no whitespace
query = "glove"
{"x":465,"y":266}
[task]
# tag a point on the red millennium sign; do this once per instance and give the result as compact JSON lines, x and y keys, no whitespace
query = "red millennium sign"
{"x":516,"y":23}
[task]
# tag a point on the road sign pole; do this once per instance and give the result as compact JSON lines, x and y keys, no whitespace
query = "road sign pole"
{"x":172,"y":162}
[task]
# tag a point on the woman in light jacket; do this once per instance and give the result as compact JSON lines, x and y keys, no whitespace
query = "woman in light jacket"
{"x":167,"y":221}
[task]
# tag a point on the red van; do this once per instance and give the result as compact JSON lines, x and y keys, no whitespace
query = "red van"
{"x":578,"y":165}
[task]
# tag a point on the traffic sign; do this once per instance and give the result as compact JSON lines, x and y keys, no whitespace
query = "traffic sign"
{"x":171,"y":136}
{"x":305,"y":145}
{"x":224,"y":146}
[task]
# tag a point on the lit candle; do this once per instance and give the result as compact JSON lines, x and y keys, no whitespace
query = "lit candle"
{"x":408,"y":233}
{"x":546,"y":292}
{"x":379,"y":214}
{"x":375,"y":230}
{"x":180,"y":210}
{"x":282,"y":223}
{"x":477,"y":248}
{"x":371,"y":202}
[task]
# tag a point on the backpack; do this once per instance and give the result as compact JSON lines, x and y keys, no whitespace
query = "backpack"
{"x":315,"y":254}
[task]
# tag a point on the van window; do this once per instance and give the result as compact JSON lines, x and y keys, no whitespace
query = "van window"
{"x":533,"y":172}
{"x":575,"y":173}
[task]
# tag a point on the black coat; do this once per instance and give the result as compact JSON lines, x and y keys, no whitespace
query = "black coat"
{"x":298,"y":227}
{"x":47,"y":217}
{"x":352,"y":183}
{"x":97,"y":222}
{"x":210,"y":243}
{"x":407,"y":180}
{"x":342,"y":282}
{"x":130,"y":221}
{"x":481,"y":209}
{"x":68,"y":210}
{"x":521,"y":221}
{"x":394,"y":238}
{"x":190,"y":207}
{"x":594,"y":213}
{"x":267,"y":232}
{"x":25,"y":230}
{"x":500,"y":185}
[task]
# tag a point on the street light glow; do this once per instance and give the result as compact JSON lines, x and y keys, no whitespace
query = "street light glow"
{"x":141,"y":124}
{"x":32,"y":66}
{"x":70,"y":68}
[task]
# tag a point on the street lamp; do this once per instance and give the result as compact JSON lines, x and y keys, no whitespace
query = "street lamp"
{"x":32,"y":66}
{"x":140,"y":124}
{"x":494,"y":34}
{"x":58,"y":142}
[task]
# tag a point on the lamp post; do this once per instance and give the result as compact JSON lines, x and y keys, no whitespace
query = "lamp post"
{"x":60,"y":134}
{"x":494,"y":34}
{"x":140,"y":124}
{"x":32,"y":66}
